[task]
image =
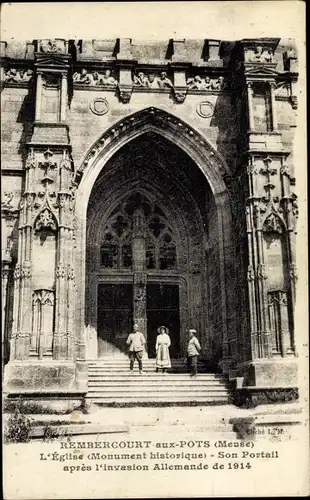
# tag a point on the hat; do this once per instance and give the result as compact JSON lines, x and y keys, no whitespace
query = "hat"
{"x":164,"y":327}
{"x":191,"y":330}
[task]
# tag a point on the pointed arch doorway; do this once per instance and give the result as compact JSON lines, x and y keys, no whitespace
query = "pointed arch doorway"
{"x":138,"y":276}
{"x":165,"y":170}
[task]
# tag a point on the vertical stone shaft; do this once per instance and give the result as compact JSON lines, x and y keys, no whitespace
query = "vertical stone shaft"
{"x":139,"y":270}
{"x":251,"y":286}
{"x":38,"y":97}
{"x":250,"y":106}
{"x":24,"y":283}
{"x":4,"y":290}
{"x":273,"y":106}
{"x":64,"y":93}
{"x":60,"y":342}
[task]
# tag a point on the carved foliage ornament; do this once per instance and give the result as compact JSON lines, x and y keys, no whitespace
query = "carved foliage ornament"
{"x":125,"y":96}
{"x":31,"y":160}
{"x":61,"y":271}
{"x":45,"y":220}
{"x":250,"y":274}
{"x":293,"y":272}
{"x":261,"y":272}
{"x":278,"y":297}
{"x":45,"y":297}
{"x":6,"y":201}
{"x":272,"y":224}
{"x":179,"y":96}
{"x":23,"y":271}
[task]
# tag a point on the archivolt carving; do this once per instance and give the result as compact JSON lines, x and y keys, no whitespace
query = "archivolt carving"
{"x":149,"y":116}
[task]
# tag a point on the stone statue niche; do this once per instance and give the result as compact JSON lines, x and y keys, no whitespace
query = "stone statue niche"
{"x":43,"y":298}
{"x":278,"y":287}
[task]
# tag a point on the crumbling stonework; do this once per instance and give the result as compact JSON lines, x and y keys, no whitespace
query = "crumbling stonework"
{"x":134,"y":165}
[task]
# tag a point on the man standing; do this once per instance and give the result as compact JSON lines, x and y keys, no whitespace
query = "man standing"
{"x":193,"y":350}
{"x":136,"y":343}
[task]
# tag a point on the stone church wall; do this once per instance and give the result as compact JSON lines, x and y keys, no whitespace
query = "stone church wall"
{"x":230,"y":106}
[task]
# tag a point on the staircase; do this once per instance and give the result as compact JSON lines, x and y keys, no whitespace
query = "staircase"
{"x":111,"y":383}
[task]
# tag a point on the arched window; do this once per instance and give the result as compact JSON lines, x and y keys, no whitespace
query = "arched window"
{"x":109,"y":251}
{"x":167,"y":253}
{"x":124,"y":225}
{"x":150,"y":254}
{"x":126,"y":252}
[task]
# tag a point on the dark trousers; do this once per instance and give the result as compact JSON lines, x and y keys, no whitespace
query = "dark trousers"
{"x":135,"y":355}
{"x":192,"y":364}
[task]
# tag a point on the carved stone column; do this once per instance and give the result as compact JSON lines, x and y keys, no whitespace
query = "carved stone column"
{"x":4,"y":289}
{"x":139,"y":270}
{"x":70,"y":321}
{"x":38,"y":96}
{"x":273,"y":106}
{"x":250,"y":105}
{"x":23,"y":283}
{"x":63,"y":267}
{"x":64,"y":94}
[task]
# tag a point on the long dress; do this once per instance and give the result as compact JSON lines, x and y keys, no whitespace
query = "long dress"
{"x":162,"y":351}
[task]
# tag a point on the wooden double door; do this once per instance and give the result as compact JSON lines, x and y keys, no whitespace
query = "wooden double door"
{"x":115,"y":316}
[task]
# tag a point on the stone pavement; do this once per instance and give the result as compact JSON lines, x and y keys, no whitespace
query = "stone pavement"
{"x":198,"y":419}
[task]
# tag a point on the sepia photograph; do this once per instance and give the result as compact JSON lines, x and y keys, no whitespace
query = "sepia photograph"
{"x":154,"y":250}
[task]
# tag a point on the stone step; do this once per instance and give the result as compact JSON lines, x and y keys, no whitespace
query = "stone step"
{"x":137,"y":400}
{"x":146,"y":362}
{"x":174,"y":369}
{"x":151,"y":376}
{"x":102,"y":382}
{"x":164,"y":390}
{"x":111,"y":383}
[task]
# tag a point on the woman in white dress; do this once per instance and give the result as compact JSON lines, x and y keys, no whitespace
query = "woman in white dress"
{"x":162,"y":349}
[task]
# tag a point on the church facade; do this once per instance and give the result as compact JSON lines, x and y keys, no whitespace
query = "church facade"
{"x":148,"y":182}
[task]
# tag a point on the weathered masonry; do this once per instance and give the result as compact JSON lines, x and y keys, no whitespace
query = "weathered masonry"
{"x":149,"y":182}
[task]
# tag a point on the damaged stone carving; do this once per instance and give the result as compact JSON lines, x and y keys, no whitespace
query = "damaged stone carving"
{"x":92,"y":79}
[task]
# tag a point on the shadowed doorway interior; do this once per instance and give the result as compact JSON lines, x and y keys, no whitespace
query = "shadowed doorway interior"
{"x":162,"y":303}
{"x":152,"y":250}
{"x":114,"y":318}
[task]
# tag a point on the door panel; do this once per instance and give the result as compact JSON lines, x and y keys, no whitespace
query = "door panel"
{"x":163,"y":309}
{"x":114,"y":318}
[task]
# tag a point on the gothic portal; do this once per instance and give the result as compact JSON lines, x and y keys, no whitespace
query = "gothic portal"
{"x":152,"y":250}
{"x":152,"y":183}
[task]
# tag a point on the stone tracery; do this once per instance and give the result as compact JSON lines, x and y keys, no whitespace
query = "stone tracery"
{"x":116,"y":251}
